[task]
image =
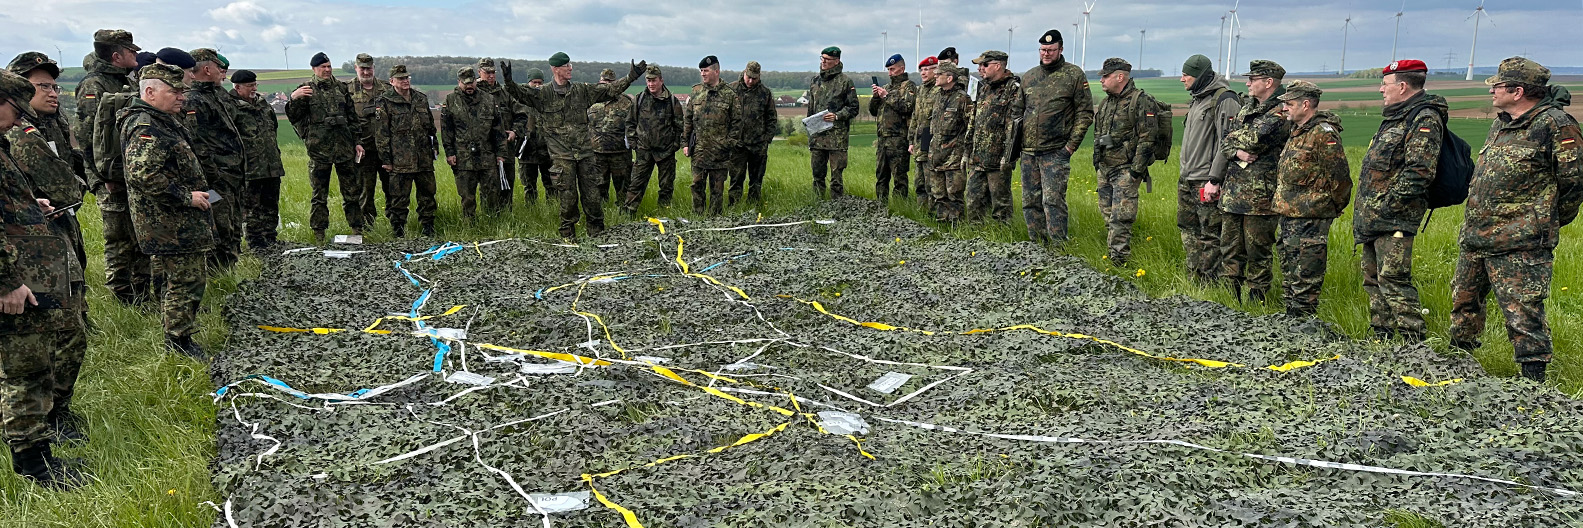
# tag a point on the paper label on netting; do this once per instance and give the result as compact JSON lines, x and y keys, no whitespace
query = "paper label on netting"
{"x":349,"y":239}
{"x":560,"y":502}
{"x":840,"y":423}
{"x":468,"y":378}
{"x":744,"y":366}
{"x":652,"y":359}
{"x":547,"y":368}
{"x":457,"y":334}
{"x":331,"y":253}
{"x":889,"y":382}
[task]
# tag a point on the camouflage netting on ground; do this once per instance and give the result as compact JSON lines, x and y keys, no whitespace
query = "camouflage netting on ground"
{"x":760,"y":363}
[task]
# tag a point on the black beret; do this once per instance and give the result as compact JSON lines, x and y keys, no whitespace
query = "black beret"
{"x":176,"y":57}
{"x":1051,"y":37}
{"x":243,"y":77}
{"x":145,"y":58}
{"x":708,"y":61}
{"x":318,"y":58}
{"x":949,"y":54}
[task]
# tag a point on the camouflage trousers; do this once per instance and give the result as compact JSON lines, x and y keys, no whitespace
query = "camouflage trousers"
{"x":531,"y":174}
{"x":126,"y":271}
{"x":506,"y":174}
{"x":891,"y":164}
{"x":835,"y":162}
{"x":989,"y":191}
{"x":1246,"y":244}
{"x":228,"y":221}
{"x":38,"y":373}
{"x":946,"y":187}
{"x":398,"y":197}
{"x":1304,"y":245}
{"x":709,"y":189}
{"x":69,"y":225}
{"x":1118,"y":205}
{"x":1521,"y":283}
{"x":638,"y":184}
{"x":1044,"y":178}
{"x":371,"y":178}
{"x":261,"y":204}
{"x":1388,"y":279}
{"x":181,"y":279}
{"x":921,"y":186}
{"x":612,"y":169}
{"x":578,"y":184}
{"x":747,"y":167}
{"x":1199,"y":224}
{"x":470,"y":184}
{"x":351,"y":195}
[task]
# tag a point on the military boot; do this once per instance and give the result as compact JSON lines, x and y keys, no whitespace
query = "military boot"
{"x":428,"y":230}
{"x":186,"y":346}
{"x":1535,"y":370}
{"x":1256,"y":296}
{"x":398,"y":231}
{"x":1235,"y":287}
{"x":64,"y":424}
{"x":318,"y":236}
{"x":39,"y":465}
{"x":1466,"y":345}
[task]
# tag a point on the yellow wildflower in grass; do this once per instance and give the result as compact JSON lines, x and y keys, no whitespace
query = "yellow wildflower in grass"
{"x":1139,"y":273}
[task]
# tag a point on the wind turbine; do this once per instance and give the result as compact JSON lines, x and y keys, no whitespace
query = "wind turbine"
{"x":1346,"y":32}
{"x":884,"y":44}
{"x":1088,"y":7}
{"x":1398,"y":30}
{"x":285,"y":50}
{"x":917,"y":49}
{"x":1008,"y":44}
{"x":1236,"y":32}
{"x":1478,"y":15}
{"x":1221,"y":54}
{"x":1141,"y":34}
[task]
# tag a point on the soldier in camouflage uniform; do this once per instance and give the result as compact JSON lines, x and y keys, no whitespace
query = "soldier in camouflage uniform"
{"x":1058,"y":110}
{"x":322,"y":112}
{"x":831,"y":90}
{"x":516,"y":126}
{"x":612,"y":156}
{"x":759,"y":125}
{"x":1527,"y":186}
{"x":948,"y":141}
{"x":370,"y":174}
{"x":255,"y":119}
{"x":893,"y":105}
{"x":655,"y":130}
{"x":1124,"y":130}
{"x":1312,"y":186}
{"x":211,"y":118}
{"x":41,"y":147}
{"x":563,"y":116}
{"x":405,"y":135}
{"x":474,"y":132}
{"x":918,"y":131}
{"x":996,"y":108}
{"x":1253,"y":146}
{"x":170,"y":208}
{"x":710,"y":128}
{"x":533,"y":151}
{"x":1203,"y":166}
{"x":35,"y":264}
{"x":1394,"y":177}
{"x":125,"y":268}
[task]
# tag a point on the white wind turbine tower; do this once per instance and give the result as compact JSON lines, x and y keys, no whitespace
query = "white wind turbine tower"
{"x":1345,"y":33}
{"x":1088,"y":7}
{"x":917,"y":51}
{"x":1221,"y":54}
{"x":1398,"y":30}
{"x":1478,"y":15}
{"x":1234,"y":38}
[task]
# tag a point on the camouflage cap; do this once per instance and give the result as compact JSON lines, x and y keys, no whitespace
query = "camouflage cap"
{"x":1300,"y":89}
{"x":535,"y":74}
{"x":33,"y":60}
{"x":16,"y":89}
{"x":205,"y":55}
{"x":990,"y":55}
{"x":119,"y":37}
{"x":560,"y":58}
{"x":172,"y":75}
{"x":466,"y":75}
{"x":1266,"y":68}
{"x":652,"y":72}
{"x":1113,"y":65}
{"x":949,"y":68}
{"x":753,"y":70}
{"x":486,"y":64}
{"x":1520,"y":70}
{"x":364,"y":60}
{"x":608,"y":75}
{"x":399,"y":71}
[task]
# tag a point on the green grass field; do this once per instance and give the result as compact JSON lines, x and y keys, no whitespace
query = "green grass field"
{"x":153,"y":425}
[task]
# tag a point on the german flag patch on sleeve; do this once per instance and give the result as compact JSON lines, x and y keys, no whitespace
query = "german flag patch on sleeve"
{"x":1569,"y":141}
{"x":145,"y":137}
{"x":1424,"y":129}
{"x":90,"y":96}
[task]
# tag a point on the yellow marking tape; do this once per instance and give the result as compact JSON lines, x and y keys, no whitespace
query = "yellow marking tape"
{"x":558,"y":356}
{"x":877,"y":326}
{"x":632,"y":518}
{"x":1421,"y":383}
{"x":287,"y":330}
{"x":658,"y":223}
{"x":688,"y":272}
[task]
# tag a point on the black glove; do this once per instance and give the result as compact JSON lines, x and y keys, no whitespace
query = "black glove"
{"x":637,"y":69}
{"x":505,"y":69}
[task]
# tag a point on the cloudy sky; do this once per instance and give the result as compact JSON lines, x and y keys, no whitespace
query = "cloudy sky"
{"x":1303,"y":35}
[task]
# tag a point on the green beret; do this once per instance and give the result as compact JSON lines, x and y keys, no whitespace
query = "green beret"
{"x":559,"y":59}
{"x":225,"y":64}
{"x":832,"y":51}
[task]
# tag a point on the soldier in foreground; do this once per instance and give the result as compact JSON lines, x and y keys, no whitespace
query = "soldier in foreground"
{"x":1124,"y":130}
{"x":404,"y":133}
{"x":992,"y":132}
{"x":612,"y":156}
{"x":1527,"y":186}
{"x":125,"y":268}
{"x":1253,"y":146}
{"x":211,"y":118}
{"x":759,"y":124}
{"x":1203,"y":166}
{"x":918,"y":131}
{"x":474,"y":133}
{"x":370,"y":172}
{"x":1312,"y":186}
{"x":948,"y":146}
{"x":710,"y":129}
{"x":655,"y":130}
{"x":893,"y":105}
{"x":831,"y":91}
{"x":1057,"y":113}
{"x":322,"y":112}
{"x":255,"y":119}
{"x":516,"y":122}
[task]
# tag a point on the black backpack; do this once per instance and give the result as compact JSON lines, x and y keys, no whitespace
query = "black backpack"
{"x":1453,"y":169}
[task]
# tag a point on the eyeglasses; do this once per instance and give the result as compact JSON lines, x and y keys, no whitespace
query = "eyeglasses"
{"x":1502,"y":86}
{"x":48,"y":87}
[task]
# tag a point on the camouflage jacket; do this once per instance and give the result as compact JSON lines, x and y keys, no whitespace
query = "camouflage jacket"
{"x":255,"y":119}
{"x":327,"y":122}
{"x":108,"y":181}
{"x":363,"y":106}
{"x":994,"y":122}
{"x":1262,"y":130}
{"x":894,"y":111}
{"x":33,"y":253}
{"x":211,"y":119}
{"x":162,"y":171}
{"x":563,"y":112}
{"x":655,"y":125}
{"x":1128,"y":118}
{"x":538,"y":148}
{"x":918,"y":127}
{"x":1528,"y":183}
{"x":41,"y":147}
{"x":1058,"y":108}
{"x":473,"y":130}
{"x":518,"y":115}
{"x":1312,"y":178}
{"x":710,"y":125}
{"x":404,"y":131}
{"x":1396,"y":171}
{"x":759,"y":120}
{"x":832,"y":90}
{"x":102,"y":79}
{"x":948,"y":122}
{"x":608,"y":123}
